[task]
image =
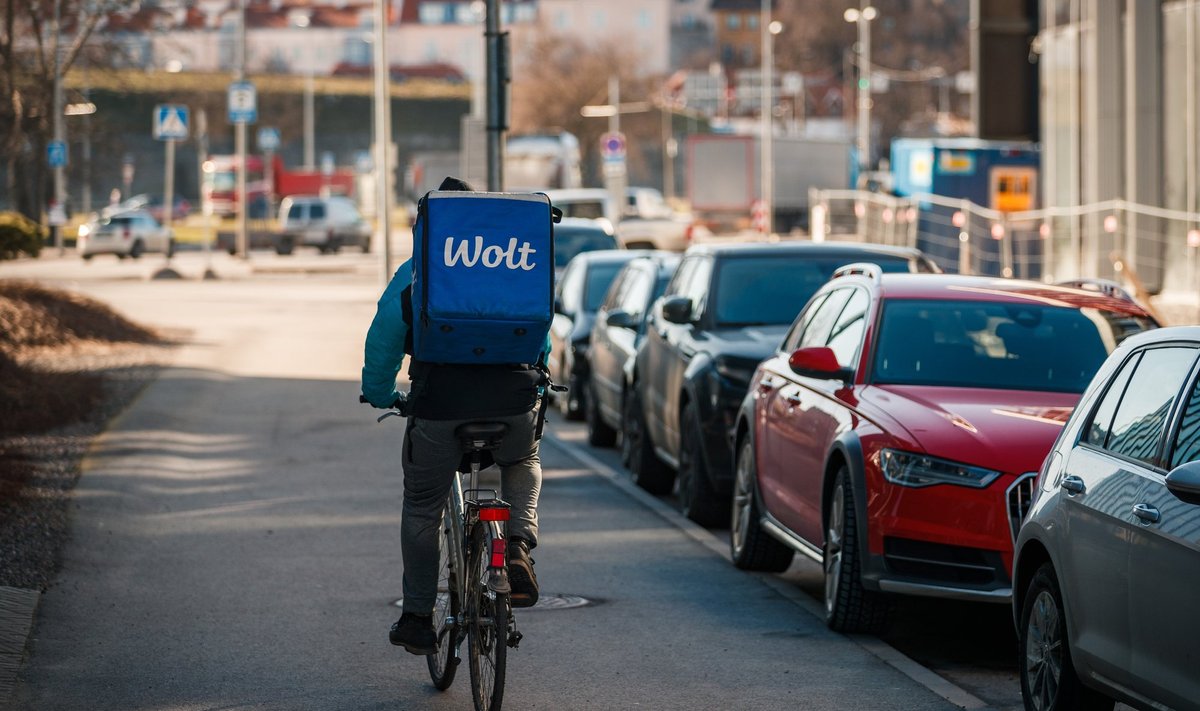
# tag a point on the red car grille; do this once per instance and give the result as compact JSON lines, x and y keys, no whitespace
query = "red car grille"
{"x":1020,"y":498}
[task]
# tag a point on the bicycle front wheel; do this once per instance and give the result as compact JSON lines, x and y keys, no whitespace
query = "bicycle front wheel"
{"x":487,"y":627}
{"x":448,"y":607}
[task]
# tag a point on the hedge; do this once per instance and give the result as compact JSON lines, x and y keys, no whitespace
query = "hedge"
{"x":19,"y":234}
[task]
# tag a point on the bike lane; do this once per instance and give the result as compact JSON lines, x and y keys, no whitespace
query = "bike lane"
{"x":235,"y":545}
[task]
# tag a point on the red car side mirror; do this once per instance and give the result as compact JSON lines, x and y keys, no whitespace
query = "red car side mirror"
{"x":819,"y":362}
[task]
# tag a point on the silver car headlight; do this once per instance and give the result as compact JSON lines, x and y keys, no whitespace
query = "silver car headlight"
{"x":918,"y":470}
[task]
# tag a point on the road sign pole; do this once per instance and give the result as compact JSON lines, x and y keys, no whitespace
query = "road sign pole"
{"x":240,"y":138}
{"x":169,"y":185}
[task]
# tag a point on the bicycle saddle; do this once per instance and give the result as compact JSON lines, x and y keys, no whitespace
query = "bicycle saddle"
{"x":482,"y":435}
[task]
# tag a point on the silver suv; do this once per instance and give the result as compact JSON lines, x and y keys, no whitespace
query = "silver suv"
{"x":1107,"y":563}
{"x":327,"y":223}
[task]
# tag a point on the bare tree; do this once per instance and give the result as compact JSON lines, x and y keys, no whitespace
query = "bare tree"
{"x":30,"y":39}
{"x":908,"y":37}
{"x":557,"y":76}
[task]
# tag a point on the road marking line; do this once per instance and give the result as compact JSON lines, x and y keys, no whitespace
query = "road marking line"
{"x":876,"y":647}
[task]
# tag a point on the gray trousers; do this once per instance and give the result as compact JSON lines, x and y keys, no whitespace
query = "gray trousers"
{"x":431,"y":456}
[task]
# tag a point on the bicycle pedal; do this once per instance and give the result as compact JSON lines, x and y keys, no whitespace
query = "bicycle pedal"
{"x":514,"y":639}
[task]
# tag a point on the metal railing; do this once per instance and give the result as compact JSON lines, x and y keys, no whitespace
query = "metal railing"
{"x":1152,"y":249}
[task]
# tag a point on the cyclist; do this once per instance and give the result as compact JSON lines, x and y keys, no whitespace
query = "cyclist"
{"x":441,"y":397}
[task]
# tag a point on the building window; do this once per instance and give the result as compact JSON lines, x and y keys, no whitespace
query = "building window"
{"x":752,"y":21}
{"x":560,"y":20}
{"x":432,"y":13}
{"x":599,"y":19}
{"x":464,"y":14}
{"x":733,"y":21}
{"x":525,"y":12}
{"x":643,"y":19}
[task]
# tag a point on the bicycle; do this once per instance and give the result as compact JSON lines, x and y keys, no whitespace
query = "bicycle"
{"x":473,"y":596}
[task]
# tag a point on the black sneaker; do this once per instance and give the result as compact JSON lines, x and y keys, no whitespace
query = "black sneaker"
{"x":414,"y":633}
{"x":520,"y":574}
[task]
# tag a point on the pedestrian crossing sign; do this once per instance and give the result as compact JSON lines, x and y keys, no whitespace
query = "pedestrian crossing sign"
{"x":170,"y":122}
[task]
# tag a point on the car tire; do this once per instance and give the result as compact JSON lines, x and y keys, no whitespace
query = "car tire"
{"x":285,"y":246}
{"x":849,"y":607}
{"x":1048,"y":678}
{"x":170,"y":248}
{"x":750,"y":546}
{"x":88,"y":257}
{"x":697,"y":499}
{"x":599,"y":433}
{"x":136,"y":250}
{"x":645,"y":468}
{"x":570,"y":402}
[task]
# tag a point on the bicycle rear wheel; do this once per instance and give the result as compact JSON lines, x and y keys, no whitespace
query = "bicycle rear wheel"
{"x":487,"y":627}
{"x":448,"y":606}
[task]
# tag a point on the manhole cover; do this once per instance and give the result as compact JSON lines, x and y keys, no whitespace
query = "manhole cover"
{"x":546,"y":601}
{"x":558,"y":601}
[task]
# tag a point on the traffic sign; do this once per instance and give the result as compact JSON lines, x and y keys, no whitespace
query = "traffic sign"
{"x":612,"y":146}
{"x":268,"y":139}
{"x":56,"y":154}
{"x":243,"y":102}
{"x":170,"y":122}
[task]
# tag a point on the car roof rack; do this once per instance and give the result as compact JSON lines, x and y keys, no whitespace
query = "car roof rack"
{"x":866,"y":269}
{"x":1102,"y":286}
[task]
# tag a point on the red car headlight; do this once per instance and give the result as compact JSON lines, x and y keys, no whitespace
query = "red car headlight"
{"x":918,"y":470}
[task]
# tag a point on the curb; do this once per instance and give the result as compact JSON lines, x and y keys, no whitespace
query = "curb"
{"x":17,"y":606}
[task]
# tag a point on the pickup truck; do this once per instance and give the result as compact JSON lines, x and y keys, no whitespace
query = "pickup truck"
{"x":645,"y":221}
{"x":648,"y":222}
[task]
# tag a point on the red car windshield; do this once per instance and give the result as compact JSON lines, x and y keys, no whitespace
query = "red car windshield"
{"x":1006,"y":346}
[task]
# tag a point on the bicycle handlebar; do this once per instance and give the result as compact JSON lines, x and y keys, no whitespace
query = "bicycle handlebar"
{"x":399,"y":408}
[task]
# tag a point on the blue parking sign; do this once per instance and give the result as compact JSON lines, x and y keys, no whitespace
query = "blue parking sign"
{"x":56,"y":154}
{"x":242,"y":103}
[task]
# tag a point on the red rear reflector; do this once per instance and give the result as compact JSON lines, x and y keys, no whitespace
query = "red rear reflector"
{"x":499,"y":548}
{"x":496,"y":514}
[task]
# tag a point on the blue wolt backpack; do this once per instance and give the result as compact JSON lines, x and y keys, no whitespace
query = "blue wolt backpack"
{"x":483,"y":277}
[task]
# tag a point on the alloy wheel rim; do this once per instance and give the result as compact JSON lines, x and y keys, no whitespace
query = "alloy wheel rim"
{"x":833,"y":550}
{"x":1043,"y":651}
{"x":741,"y":501}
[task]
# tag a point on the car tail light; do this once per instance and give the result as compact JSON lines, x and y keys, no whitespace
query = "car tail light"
{"x":689,"y":234}
{"x":499,"y":548}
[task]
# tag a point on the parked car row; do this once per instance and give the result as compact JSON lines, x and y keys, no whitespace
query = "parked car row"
{"x":891,"y":423}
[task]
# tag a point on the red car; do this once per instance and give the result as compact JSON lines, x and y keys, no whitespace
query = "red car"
{"x":895,"y":435}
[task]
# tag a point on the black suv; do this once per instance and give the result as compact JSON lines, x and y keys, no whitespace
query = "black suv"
{"x":725,"y":310}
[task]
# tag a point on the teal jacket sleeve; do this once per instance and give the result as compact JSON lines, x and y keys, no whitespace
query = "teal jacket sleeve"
{"x":383,"y":354}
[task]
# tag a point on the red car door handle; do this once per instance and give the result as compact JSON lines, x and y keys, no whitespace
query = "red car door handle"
{"x":792,"y":400}
{"x":766,"y":384}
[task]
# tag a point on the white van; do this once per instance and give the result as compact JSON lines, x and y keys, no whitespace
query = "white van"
{"x":327,"y":223}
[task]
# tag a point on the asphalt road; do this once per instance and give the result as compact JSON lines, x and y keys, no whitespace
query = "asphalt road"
{"x":235,"y":545}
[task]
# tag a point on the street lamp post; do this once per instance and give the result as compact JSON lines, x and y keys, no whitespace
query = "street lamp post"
{"x":862,"y":17}
{"x":60,"y":190}
{"x":766,"y":111}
